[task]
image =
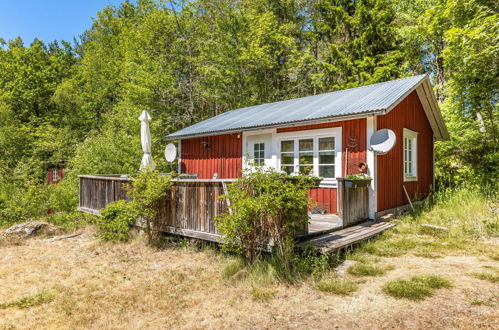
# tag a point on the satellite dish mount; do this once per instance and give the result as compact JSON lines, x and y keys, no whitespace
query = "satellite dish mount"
{"x":170,"y":152}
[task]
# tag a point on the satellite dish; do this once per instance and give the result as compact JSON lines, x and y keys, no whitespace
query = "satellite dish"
{"x":170,"y":152}
{"x":382,"y":141}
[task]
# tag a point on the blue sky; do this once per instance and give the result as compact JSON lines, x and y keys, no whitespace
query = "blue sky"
{"x":48,"y":20}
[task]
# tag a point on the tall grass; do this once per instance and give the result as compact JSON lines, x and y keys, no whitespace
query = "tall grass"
{"x":469,"y":215}
{"x":467,"y":212}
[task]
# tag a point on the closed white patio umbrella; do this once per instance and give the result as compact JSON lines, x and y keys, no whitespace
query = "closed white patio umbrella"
{"x":145,"y":138}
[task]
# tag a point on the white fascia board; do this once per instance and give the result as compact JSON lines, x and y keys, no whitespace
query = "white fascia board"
{"x":372,"y":167}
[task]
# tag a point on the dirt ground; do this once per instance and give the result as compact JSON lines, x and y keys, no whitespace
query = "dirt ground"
{"x":116,"y":286}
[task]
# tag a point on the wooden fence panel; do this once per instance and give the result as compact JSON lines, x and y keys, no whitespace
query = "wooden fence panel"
{"x":188,"y":209}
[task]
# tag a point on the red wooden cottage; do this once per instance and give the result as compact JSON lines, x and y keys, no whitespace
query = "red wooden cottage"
{"x":327,"y":135}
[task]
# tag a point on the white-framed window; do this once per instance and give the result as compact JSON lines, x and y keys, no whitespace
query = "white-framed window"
{"x":306,"y":156}
{"x":287,"y":156}
{"x":55,"y":176}
{"x":259,"y":154}
{"x":410,"y":150}
{"x":315,"y":152}
{"x":327,"y":157}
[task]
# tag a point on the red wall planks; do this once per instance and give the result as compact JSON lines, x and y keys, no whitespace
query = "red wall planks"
{"x":409,"y":114}
{"x":50,"y":175}
{"x":324,"y":198}
{"x":224,"y":156}
{"x":354,"y":138}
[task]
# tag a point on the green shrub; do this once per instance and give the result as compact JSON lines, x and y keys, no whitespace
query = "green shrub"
{"x":146,"y":190}
{"x":417,"y":288}
{"x":267,"y":207}
{"x":117,"y":219}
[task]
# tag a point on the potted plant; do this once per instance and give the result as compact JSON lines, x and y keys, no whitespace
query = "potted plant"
{"x":357,"y":180}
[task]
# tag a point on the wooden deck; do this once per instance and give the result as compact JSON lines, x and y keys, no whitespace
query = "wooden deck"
{"x":322,"y":223}
{"x":346,"y":237}
{"x":192,"y":204}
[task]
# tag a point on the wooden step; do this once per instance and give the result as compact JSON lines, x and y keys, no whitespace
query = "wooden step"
{"x":348,"y":236}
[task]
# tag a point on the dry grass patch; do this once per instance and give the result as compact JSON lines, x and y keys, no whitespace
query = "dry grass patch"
{"x":338,"y":286}
{"x":361,"y":269}
{"x":486,"y":276}
{"x":130,"y":286}
{"x":262,"y":294}
{"x":29,"y":301}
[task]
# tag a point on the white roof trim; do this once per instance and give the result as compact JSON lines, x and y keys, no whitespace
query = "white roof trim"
{"x":430,"y":106}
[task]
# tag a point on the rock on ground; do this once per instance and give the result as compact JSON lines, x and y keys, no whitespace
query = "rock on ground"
{"x":341,"y":270}
{"x":28,"y":229}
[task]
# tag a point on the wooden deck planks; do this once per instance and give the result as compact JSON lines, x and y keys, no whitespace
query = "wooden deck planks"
{"x":348,"y":236}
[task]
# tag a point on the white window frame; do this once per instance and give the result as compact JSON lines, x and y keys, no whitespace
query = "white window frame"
{"x":55,"y":175}
{"x":316,"y":134}
{"x":256,"y":159}
{"x":410,"y":166}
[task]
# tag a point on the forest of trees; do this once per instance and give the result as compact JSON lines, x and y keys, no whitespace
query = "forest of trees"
{"x":76,"y":103}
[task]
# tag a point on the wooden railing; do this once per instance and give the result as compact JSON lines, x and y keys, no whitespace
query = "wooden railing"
{"x":188,"y":210}
{"x":192,"y":204}
{"x":96,"y":191}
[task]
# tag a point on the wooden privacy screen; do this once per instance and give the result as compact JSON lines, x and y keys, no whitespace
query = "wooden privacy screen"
{"x":353,"y":203}
{"x":188,"y":209}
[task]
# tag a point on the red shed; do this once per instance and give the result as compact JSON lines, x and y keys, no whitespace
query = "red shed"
{"x":327,"y":135}
{"x":54,"y":175}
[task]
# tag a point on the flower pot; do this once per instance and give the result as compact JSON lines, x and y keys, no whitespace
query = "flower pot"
{"x":355,"y":183}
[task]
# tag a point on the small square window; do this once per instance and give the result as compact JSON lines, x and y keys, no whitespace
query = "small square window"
{"x":410,"y":155}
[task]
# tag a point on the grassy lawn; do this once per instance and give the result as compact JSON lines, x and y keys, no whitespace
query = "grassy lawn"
{"x":410,"y":277}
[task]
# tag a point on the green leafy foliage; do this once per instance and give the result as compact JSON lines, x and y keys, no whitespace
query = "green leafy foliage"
{"x":146,"y":190}
{"x":117,"y":219}
{"x":266,"y":207}
{"x":360,"y":176}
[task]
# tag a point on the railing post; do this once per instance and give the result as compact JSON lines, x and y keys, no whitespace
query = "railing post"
{"x":341,"y":201}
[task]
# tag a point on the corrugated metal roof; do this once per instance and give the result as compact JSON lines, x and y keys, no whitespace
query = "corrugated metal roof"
{"x":367,"y":99}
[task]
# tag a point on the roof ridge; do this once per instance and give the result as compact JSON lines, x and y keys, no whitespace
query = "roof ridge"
{"x":332,"y":92}
{"x":378,"y":83}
